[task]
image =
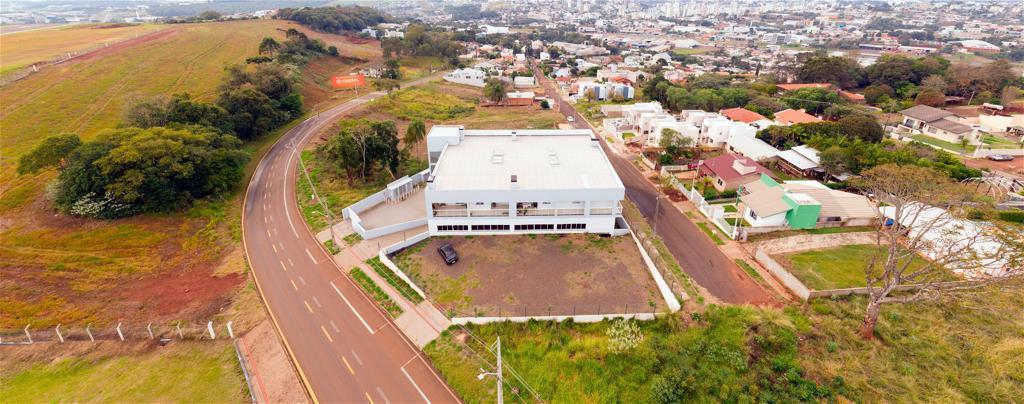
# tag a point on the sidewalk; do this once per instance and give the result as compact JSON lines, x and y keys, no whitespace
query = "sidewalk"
{"x":421,"y":322}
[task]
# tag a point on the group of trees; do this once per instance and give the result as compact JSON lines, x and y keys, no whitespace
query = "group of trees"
{"x":419,"y":41}
{"x":172,"y":150}
{"x":895,"y":81}
{"x":297,"y":49}
{"x":131,"y":170}
{"x":495,"y":89}
{"x":364,"y":148}
{"x":335,"y":19}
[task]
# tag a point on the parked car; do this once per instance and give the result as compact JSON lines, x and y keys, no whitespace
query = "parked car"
{"x":1000,"y":157}
{"x":569,"y":118}
{"x":448,"y":253}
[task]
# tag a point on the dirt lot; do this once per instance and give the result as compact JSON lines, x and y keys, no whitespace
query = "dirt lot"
{"x":538,"y":275}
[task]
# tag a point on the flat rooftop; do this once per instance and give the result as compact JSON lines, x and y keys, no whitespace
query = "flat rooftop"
{"x":540,"y":159}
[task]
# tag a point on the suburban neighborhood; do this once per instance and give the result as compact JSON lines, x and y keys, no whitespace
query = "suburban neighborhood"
{"x":460,"y":201}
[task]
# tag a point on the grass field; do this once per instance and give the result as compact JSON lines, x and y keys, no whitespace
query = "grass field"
{"x":956,"y":147}
{"x":61,"y":269}
{"x":734,"y":354}
{"x":836,"y":268}
{"x":180,"y":372}
{"x":21,"y":49}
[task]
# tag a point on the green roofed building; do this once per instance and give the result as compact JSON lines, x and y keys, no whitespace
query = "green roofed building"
{"x":802,"y":205}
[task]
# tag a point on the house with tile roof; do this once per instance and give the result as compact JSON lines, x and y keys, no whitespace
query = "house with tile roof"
{"x":728,"y":171}
{"x":746,"y":116}
{"x":802,"y":205}
{"x":937,"y":123}
{"x":794,"y":116}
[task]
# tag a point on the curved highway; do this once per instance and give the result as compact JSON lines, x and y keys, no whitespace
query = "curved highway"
{"x":345,"y":348}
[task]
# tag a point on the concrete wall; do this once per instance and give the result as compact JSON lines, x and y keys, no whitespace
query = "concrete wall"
{"x":383,"y":254}
{"x":666,"y":292}
{"x":592,"y":318}
{"x":782,"y":275}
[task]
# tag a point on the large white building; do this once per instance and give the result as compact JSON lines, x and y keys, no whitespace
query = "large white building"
{"x":520,"y":181}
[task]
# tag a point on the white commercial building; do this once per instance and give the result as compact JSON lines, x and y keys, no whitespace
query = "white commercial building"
{"x":520,"y":181}
{"x":469,"y":77}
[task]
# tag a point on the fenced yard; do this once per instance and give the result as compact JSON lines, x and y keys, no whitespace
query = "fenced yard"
{"x":534,"y":275}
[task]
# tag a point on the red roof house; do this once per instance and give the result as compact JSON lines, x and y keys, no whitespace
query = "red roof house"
{"x":742,"y":115}
{"x":793,"y":116}
{"x":729,"y":171}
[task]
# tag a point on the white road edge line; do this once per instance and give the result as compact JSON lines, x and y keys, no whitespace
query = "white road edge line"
{"x":311,"y":256}
{"x":353,"y":309}
{"x":414,"y":385}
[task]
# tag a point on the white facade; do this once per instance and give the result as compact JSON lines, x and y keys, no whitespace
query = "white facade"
{"x":520,"y":181}
{"x":469,"y":77}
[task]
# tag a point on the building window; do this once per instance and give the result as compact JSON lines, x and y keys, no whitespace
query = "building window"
{"x":572,"y":226}
{"x":452,"y":227}
{"x":490,"y":227}
{"x":521,"y":227}
{"x":752,"y":214}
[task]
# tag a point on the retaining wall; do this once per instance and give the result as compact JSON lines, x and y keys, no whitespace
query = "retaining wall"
{"x":666,"y":292}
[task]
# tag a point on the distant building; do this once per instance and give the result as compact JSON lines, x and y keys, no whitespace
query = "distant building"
{"x":937,"y":123}
{"x":469,"y":77}
{"x":794,"y":116}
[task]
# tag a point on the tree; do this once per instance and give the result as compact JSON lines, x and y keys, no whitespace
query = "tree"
{"x":210,"y":15}
{"x":392,"y":70}
{"x":874,"y":93}
{"x":930,"y":97}
{"x":269,"y":46}
{"x":834,"y":161}
{"x":766,"y":106}
{"x":129,"y":170}
{"x":861,"y":127}
{"x":333,"y":51}
{"x":813,"y":100}
{"x":1009,"y":95}
{"x":927,"y":209}
{"x":495,"y":90}
{"x":251,"y":112}
{"x":363,"y":146}
{"x":52,"y":151}
{"x":841,"y":72}
{"x":934,"y":82}
{"x":414,"y":134}
{"x":386,"y":85}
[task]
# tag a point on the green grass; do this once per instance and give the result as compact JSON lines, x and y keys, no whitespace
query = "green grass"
{"x":180,"y":372}
{"x":943,"y":144}
{"x":823,"y":230}
{"x":378,"y":295}
{"x":352,"y":239}
{"x":403,"y":288}
{"x":953,"y":351}
{"x":730,"y":208}
{"x":711,"y":233}
{"x":331,"y":247}
{"x":749,"y":270}
{"x":835,"y":268}
{"x":999,"y":143}
{"x":415,"y":103}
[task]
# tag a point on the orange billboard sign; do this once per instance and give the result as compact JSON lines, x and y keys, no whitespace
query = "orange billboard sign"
{"x":352,"y":81}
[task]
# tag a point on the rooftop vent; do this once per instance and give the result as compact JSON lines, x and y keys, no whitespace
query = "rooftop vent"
{"x":497,"y":156}
{"x":514,"y":182}
{"x":553,"y":158}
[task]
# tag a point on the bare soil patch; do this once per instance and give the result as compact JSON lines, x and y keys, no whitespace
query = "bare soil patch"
{"x":534,"y":275}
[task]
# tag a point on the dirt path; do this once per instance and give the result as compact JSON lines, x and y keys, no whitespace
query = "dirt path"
{"x":273,"y":376}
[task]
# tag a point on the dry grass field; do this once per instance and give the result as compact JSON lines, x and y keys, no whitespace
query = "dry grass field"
{"x":162,"y":267}
{"x":21,"y":49}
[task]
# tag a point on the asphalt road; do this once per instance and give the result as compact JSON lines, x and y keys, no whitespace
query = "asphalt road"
{"x":345,"y":348}
{"x":694,"y":251}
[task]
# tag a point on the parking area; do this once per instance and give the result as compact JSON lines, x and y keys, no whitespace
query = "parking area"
{"x":534,"y":275}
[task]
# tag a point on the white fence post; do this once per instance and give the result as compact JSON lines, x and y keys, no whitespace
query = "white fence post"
{"x":178,"y":326}
{"x":119,"y":333}
{"x":28,"y":334}
{"x":231,"y":333}
{"x":89,"y":333}
{"x":149,"y":327}
{"x":209,"y":327}
{"x":59,"y":336}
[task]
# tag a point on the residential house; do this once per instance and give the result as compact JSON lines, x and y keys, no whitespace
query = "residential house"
{"x":520,"y":181}
{"x":746,"y":116}
{"x":746,"y":143}
{"x":524,"y":82}
{"x":728,"y":171}
{"x":801,"y":161}
{"x":802,"y":205}
{"x":937,"y":123}
{"x":794,"y":116}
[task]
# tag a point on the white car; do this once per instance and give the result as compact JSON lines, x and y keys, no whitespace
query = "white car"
{"x":569,"y":118}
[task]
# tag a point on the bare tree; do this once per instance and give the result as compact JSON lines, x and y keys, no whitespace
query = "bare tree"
{"x":927,"y":210}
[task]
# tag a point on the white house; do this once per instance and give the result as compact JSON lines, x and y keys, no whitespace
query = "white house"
{"x":514,"y":181}
{"x":469,"y":77}
{"x":743,"y":141}
{"x":524,"y":82}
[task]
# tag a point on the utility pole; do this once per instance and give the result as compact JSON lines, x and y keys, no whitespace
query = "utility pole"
{"x":496,"y":373}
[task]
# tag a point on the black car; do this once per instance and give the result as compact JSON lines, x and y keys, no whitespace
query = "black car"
{"x":448,"y":253}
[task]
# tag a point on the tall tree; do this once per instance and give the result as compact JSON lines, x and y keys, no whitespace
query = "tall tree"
{"x":495,"y":90}
{"x":927,"y":209}
{"x":414,"y":134}
{"x":840,"y":71}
